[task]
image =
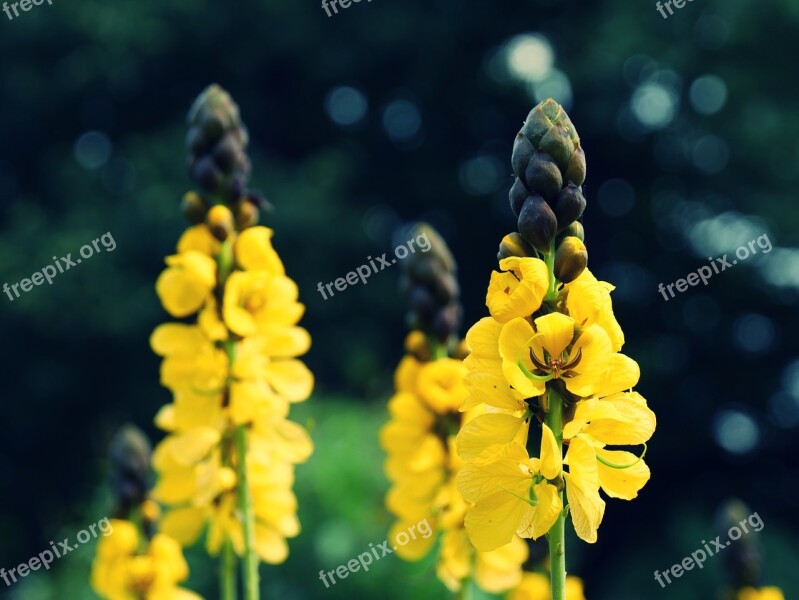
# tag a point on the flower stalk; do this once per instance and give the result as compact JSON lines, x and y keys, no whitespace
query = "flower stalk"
{"x":557,"y":535}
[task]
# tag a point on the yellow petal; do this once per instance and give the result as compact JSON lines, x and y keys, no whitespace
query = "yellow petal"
{"x":551,"y":454}
{"x":416,"y":546}
{"x":184,"y":524}
{"x":622,"y":374}
{"x":482,"y":339}
{"x":491,"y":388}
{"x":518,"y":293}
{"x":500,"y":570}
{"x":254,"y":251}
{"x":199,"y":239}
{"x":540,"y":519}
{"x":582,"y":490}
{"x":290,"y":378}
{"x":622,"y":483}
{"x":476,"y":481}
{"x":270,"y":546}
{"x":493,"y":521}
{"x":513,"y":347}
{"x":440,"y":385}
{"x":588,"y":301}
{"x":595,"y":355}
{"x":555,"y":332}
{"x":634,"y":424}
{"x":176,"y":338}
{"x":485,"y":431}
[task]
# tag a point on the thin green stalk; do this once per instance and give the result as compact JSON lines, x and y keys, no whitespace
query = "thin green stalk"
{"x":556,"y":536}
{"x":549,"y":259}
{"x":227,"y":572}
{"x":249,"y":562}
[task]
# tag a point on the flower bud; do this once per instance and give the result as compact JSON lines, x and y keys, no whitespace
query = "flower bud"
{"x":514,"y":244}
{"x":557,"y":143}
{"x":571,"y":259}
{"x":206,"y":173}
{"x":246,"y":214}
{"x":575,"y":172}
{"x":193,"y":207}
{"x":129,"y":453}
{"x":574,"y":230}
{"x":537,"y":223}
{"x":517,"y":195}
{"x":542,"y":176}
{"x":220,"y":222}
{"x":569,"y":206}
{"x":522,"y":153}
{"x":228,"y":153}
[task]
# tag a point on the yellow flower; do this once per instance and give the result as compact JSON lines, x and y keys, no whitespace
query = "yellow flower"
{"x":494,"y":572}
{"x":200,"y":239}
{"x":535,"y":586}
{"x":440,"y":385}
{"x":766,"y":593}
{"x":120,"y":571}
{"x":255,"y":300}
{"x":588,"y":302}
{"x":518,"y":290}
{"x":512,"y":494}
{"x":254,"y":251}
{"x":553,"y":348}
{"x":186,"y":283}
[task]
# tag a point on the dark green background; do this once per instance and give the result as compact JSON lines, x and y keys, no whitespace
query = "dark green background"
{"x":75,"y":356}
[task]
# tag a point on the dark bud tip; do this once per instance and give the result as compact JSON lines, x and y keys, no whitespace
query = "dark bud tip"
{"x":537,"y":223}
{"x":522,"y":153}
{"x":569,"y":206}
{"x":543,"y":176}
{"x":517,"y":195}
{"x":246,"y":214}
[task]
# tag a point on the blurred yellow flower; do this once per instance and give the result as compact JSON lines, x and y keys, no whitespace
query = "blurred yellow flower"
{"x":518,"y":290}
{"x":122,"y":572}
{"x":766,"y":593}
{"x":186,"y":283}
{"x":535,"y":586}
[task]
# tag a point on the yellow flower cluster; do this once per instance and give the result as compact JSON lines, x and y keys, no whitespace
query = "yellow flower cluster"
{"x":766,"y":593}
{"x":422,"y":465}
{"x":535,"y":350}
{"x":234,"y":368}
{"x":123,"y":571}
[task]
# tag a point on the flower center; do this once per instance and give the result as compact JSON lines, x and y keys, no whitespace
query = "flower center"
{"x":559,"y":366}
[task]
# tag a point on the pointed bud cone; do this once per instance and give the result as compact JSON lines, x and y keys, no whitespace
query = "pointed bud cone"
{"x":537,"y":223}
{"x":536,"y":125}
{"x":220,"y":222}
{"x":193,"y":208}
{"x":522,"y":153}
{"x":246,"y":214}
{"x":206,"y":173}
{"x":569,"y":206}
{"x":559,"y":145}
{"x":573,"y":230}
{"x":214,"y":111}
{"x":575,"y":172}
{"x":543,"y":176}
{"x":425,"y":236}
{"x":570,"y":259}
{"x":517,"y":195}
{"x":514,"y":244}
{"x":129,"y":453}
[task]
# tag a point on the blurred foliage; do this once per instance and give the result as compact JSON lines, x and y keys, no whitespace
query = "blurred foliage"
{"x":718,"y":363}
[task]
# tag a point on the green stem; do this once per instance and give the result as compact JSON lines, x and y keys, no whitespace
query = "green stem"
{"x":250,"y":559}
{"x":227,"y":572}
{"x":556,"y":536}
{"x":549,"y":259}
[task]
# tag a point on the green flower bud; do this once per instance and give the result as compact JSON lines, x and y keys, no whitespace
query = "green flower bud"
{"x":514,"y":244}
{"x":542,"y":176}
{"x":559,"y":145}
{"x":573,"y":230}
{"x":193,"y":208}
{"x":571,"y":259}
{"x":575,"y":172}
{"x":517,"y":195}
{"x":569,"y":206}
{"x":537,"y":223}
